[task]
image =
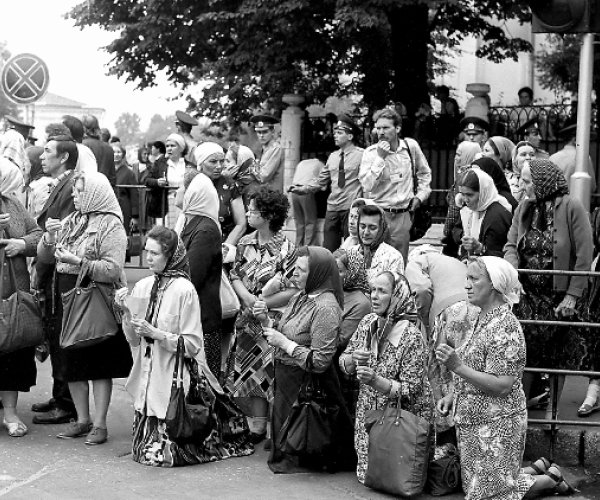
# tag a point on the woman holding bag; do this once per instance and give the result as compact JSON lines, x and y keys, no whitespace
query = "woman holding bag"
{"x":389,"y":356}
{"x":19,"y":238}
{"x":92,"y":238}
{"x":164,"y":308}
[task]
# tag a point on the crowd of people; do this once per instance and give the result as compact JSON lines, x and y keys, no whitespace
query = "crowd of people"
{"x":247,"y":316}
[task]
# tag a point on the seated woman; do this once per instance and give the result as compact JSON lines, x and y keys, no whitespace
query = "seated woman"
{"x":372,"y":255}
{"x":484,"y":220}
{"x":352,"y":238}
{"x":389,"y":357}
{"x":488,"y":399}
{"x":309,"y":326}
{"x":167,"y":308}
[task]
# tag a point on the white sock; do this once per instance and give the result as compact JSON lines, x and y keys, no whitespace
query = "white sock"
{"x":257,"y":425}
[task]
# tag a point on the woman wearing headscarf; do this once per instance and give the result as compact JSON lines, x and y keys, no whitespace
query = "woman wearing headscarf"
{"x":176,"y":149}
{"x":523,"y":153}
{"x":485,"y":217}
{"x":93,"y":237}
{"x":487,"y":401}
{"x":201,"y":236}
{"x":389,"y":357}
{"x":372,"y":255}
{"x":166,"y":307}
{"x":499,"y":149}
{"x":37,"y":185}
{"x":12,"y":180}
{"x":19,"y":235}
{"x":491,"y":168}
{"x":240,"y":168}
{"x":309,"y":328}
{"x":352,"y":238}
{"x":551,"y":231}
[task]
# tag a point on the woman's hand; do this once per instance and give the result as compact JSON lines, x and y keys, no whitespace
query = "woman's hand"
{"x":120,"y":295}
{"x":274,"y":338}
{"x":361,"y":357}
{"x":63,"y":255}
{"x":248,"y":300}
{"x":4,"y":221}
{"x":567,"y":306}
{"x":260,"y":310}
{"x":13,"y":246}
{"x":444,"y":405}
{"x":470,"y":244}
{"x":447,"y":355}
{"x":365,"y":374}
{"x":145,"y":329}
{"x":53,"y":226}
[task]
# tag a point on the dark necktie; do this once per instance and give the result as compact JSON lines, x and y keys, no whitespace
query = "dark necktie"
{"x":341,"y":175}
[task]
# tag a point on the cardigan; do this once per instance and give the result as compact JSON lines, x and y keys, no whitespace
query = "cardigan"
{"x":573,"y":244}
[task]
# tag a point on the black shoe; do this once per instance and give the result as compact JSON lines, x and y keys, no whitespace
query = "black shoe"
{"x":43,"y":407}
{"x":257,"y":438}
{"x":55,"y":416}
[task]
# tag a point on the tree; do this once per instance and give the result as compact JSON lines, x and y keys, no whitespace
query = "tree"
{"x":7,"y":107}
{"x":245,"y":51}
{"x":159,"y":128}
{"x":127,"y":128}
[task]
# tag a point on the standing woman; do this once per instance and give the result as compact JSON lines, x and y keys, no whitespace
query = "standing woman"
{"x":92,"y":236}
{"x":128,"y":197}
{"x":20,"y":236}
{"x":309,"y":327}
{"x":176,"y":150}
{"x":389,"y":357}
{"x":551,"y":231}
{"x":524,"y":152}
{"x":491,"y":168}
{"x":499,"y":149}
{"x":488,"y":401}
{"x":201,"y":236}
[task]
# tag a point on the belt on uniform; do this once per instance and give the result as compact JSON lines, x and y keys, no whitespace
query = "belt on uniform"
{"x":393,"y":210}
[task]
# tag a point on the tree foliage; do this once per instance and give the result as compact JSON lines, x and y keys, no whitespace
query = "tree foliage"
{"x":127,"y":128}
{"x":246,"y":51}
{"x":159,"y":128}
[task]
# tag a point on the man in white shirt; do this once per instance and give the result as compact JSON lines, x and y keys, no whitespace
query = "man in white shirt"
{"x":86,"y":162}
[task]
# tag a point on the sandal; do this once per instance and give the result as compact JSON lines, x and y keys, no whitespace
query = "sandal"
{"x":15,"y":429}
{"x":562,"y":488}
{"x":540,"y":466}
{"x":585,"y":410}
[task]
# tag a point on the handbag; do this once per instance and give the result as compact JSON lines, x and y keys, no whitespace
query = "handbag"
{"x":88,"y":316}
{"x":421,"y":217}
{"x":187,"y":421}
{"x":443,"y":475}
{"x":20,"y":314}
{"x":230,"y":304}
{"x":134,"y":243}
{"x":399,"y":447}
{"x":308,"y":429}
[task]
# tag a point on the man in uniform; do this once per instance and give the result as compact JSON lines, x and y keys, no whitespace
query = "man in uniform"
{"x":341,"y":173}
{"x":475,"y":129}
{"x":184,"y":124}
{"x":530,"y":132}
{"x":386,"y":175}
{"x":270,"y":163}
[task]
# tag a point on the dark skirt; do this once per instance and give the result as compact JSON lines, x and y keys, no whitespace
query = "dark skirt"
{"x":106,"y":360}
{"x":342,"y":456}
{"x":17,"y":370}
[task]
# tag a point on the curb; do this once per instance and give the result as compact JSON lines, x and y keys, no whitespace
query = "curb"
{"x":573,"y":447}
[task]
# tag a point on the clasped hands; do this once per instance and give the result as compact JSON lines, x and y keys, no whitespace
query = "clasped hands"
{"x":567,"y":306}
{"x":140,"y":326}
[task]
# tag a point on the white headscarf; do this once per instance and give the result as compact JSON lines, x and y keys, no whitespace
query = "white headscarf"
{"x":201,"y":198}
{"x":488,"y":194}
{"x":177,"y":139}
{"x":205,"y":150}
{"x":422,"y":250}
{"x":11,"y":179}
{"x":504,"y":278}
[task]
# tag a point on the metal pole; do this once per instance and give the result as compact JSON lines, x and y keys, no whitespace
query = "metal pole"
{"x":581,"y":180}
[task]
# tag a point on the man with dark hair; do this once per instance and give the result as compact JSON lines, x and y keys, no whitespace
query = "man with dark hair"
{"x":386,"y":175}
{"x":104,"y":135}
{"x":102,"y":151}
{"x":565,"y":158}
{"x":184,"y":125}
{"x":58,"y":161}
{"x":86,"y":161}
{"x":525,"y":96}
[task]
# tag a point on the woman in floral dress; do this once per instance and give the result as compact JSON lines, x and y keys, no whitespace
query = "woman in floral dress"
{"x":489,"y":404}
{"x":388,"y":355}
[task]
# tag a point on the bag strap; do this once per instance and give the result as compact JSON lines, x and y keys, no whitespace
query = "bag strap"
{"x":179,"y":361}
{"x":412,"y":166}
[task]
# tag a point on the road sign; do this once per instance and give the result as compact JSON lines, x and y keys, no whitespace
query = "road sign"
{"x":25,"y":79}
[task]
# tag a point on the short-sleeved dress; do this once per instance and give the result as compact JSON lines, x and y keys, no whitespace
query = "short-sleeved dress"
{"x":491,"y":430}
{"x":255,"y":265}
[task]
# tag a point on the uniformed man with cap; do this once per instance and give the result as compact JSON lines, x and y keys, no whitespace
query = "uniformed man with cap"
{"x":475,"y":129}
{"x":341,"y":173}
{"x":270,"y":164}
{"x":565,"y":158}
{"x":184,"y":124}
{"x":13,"y":142}
{"x":530,"y":132}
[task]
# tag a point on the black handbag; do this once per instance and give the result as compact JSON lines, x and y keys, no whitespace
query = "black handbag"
{"x":134,"y":243}
{"x":308,"y":429}
{"x":187,"y":420}
{"x":443,"y":476}
{"x":20,"y":314}
{"x":88,"y":316}
{"x":421,"y":217}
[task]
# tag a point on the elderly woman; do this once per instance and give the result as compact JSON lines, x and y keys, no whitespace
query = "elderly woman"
{"x":485,"y":218}
{"x":176,"y":150}
{"x":524,"y":152}
{"x":488,"y":399}
{"x":309,"y":328}
{"x":163,"y":308}
{"x":388,"y":355}
{"x":201,"y":236}
{"x":19,"y":239}
{"x":372,"y":255}
{"x":551,"y":231}
{"x":93,"y":236}
{"x":262,"y":271}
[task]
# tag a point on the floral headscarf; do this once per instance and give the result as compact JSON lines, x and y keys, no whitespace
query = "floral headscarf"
{"x":548,"y":180}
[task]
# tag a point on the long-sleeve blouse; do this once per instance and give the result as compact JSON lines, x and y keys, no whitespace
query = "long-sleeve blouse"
{"x":313,"y":322}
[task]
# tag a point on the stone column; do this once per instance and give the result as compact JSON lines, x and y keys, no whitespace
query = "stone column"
{"x":477,"y":105}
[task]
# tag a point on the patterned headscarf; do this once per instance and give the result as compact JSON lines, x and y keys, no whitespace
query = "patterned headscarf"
{"x":548,"y":180}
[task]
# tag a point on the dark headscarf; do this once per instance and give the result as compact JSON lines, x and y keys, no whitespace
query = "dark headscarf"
{"x":323,"y":273}
{"x":36,"y":172}
{"x":378,"y":240}
{"x":491,"y":167}
{"x":548,"y":180}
